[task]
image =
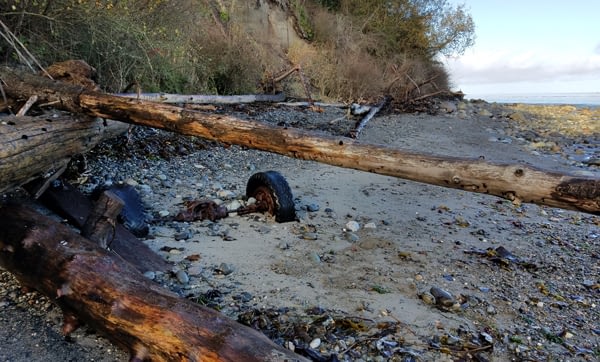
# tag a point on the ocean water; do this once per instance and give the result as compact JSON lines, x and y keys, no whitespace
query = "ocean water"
{"x":578,"y":99}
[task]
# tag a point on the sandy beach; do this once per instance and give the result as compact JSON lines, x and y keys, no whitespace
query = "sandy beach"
{"x":353,"y":278}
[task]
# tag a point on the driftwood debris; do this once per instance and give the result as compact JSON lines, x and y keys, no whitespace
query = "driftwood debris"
{"x":101,"y":225}
{"x":34,"y":147}
{"x":372,"y":112}
{"x":204,"y":99}
{"x":510,"y":181}
{"x":65,"y":200}
{"x":96,"y":287}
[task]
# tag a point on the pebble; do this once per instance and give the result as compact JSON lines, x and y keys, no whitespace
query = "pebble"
{"x":182,"y":277}
{"x":184,"y":235}
{"x":225,"y":194}
{"x":234,"y":205}
{"x":163,"y":213}
{"x":314,"y":257}
{"x":195,"y":270}
{"x":315,"y":343}
{"x":150,"y":275}
{"x":225,"y":268}
{"x":310,"y":236}
{"x":370,"y":225}
{"x":312,"y":207}
{"x":352,"y":226}
{"x":352,"y":237}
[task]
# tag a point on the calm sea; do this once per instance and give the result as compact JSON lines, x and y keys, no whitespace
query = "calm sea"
{"x":579,"y":99}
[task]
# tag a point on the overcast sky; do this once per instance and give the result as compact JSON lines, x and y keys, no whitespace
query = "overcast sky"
{"x":530,"y":46}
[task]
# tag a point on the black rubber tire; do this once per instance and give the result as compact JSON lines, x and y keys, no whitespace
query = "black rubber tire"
{"x":279,"y":191}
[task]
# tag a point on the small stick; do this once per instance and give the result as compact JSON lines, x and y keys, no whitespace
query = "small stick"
{"x":363,"y":122}
{"x":30,"y":102}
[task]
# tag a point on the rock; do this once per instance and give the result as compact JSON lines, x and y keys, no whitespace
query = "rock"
{"x":484,"y":113}
{"x":195,"y":270}
{"x":517,"y":116}
{"x":183,"y":235}
{"x":182,"y":277}
{"x":352,"y":237}
{"x":225,"y":194}
{"x":314,"y":257}
{"x":370,"y":225}
{"x":225,"y":269}
{"x":315,"y":343}
{"x":150,"y":275}
{"x":310,"y":236}
{"x":352,"y":226}
{"x":163,"y":213}
{"x":312,"y":207}
{"x":443,"y":298}
{"x":234,"y":205}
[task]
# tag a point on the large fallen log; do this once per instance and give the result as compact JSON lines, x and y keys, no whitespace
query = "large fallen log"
{"x":96,"y":287}
{"x":34,"y":147}
{"x":204,"y":98}
{"x":514,"y":182}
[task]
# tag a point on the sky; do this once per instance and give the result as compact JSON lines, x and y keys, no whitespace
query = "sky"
{"x":530,"y":47}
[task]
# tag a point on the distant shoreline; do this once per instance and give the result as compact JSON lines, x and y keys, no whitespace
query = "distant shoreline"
{"x":591,"y":99}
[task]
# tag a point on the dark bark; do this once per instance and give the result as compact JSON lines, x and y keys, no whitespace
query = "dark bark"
{"x":71,"y":204}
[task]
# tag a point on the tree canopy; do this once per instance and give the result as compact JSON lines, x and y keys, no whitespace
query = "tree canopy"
{"x":422,"y":28}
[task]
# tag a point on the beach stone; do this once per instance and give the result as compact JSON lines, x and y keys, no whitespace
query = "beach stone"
{"x":183,"y":235}
{"x":150,"y":275}
{"x":310,"y":236}
{"x":234,"y":205}
{"x":352,"y":237}
{"x":484,"y":113}
{"x":163,"y":213}
{"x":352,"y":226}
{"x":312,"y":207}
{"x":315,"y":343}
{"x":225,"y":194}
{"x":225,"y":268}
{"x":517,"y":116}
{"x":182,"y":277}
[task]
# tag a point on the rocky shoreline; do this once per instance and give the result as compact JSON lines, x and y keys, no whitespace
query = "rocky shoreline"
{"x":376,"y":268}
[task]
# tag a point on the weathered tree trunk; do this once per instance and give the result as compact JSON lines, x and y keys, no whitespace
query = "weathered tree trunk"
{"x":96,"y":287}
{"x":34,"y":147}
{"x":513,"y":182}
{"x":204,"y":98}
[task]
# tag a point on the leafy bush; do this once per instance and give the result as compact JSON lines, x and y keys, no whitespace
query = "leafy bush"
{"x":356,"y":49}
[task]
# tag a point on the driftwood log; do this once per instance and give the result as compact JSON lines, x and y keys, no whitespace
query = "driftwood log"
{"x":204,"y":99}
{"x":514,"y":182}
{"x":34,"y":147}
{"x":68,"y":202}
{"x":99,"y":288}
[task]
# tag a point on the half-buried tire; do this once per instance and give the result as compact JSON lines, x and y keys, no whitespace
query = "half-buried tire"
{"x":272,"y":194}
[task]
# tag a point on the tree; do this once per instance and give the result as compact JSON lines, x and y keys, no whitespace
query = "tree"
{"x":417,"y":28}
